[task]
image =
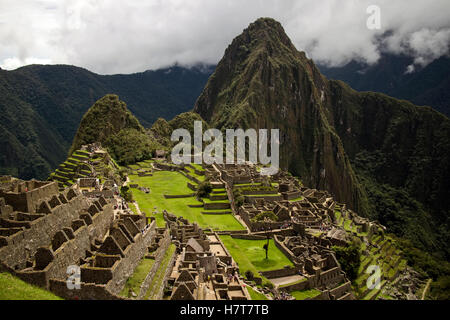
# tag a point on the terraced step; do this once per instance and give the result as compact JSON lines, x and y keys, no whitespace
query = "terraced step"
{"x":80,"y":158}
{"x":73,"y":160}
{"x":216,"y":212}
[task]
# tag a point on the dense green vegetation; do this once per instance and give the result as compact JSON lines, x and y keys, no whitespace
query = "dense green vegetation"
{"x":425,"y":86}
{"x":109,"y":122}
{"x":130,"y":146}
{"x":42,"y":106}
{"x":162,"y":130}
{"x":13,"y":288}
{"x":349,"y":259}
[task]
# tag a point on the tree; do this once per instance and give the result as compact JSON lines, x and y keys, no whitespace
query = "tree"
{"x":266,"y":247}
{"x":349,"y":259}
{"x":125,"y":193}
{"x":204,"y":189}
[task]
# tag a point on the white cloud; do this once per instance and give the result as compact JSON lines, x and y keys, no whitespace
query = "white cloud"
{"x":111,"y":37}
{"x":14,"y":63}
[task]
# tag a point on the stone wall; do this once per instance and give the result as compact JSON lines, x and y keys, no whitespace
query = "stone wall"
{"x":28,"y":201}
{"x":164,"y":244}
{"x":285,"y":272}
{"x":23,"y":245}
{"x":216,"y":205}
{"x":87,"y":291}
{"x":124,"y":268}
{"x":254,"y":199}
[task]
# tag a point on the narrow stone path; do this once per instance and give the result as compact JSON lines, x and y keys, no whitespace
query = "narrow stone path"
{"x":137,"y":207}
{"x":427,"y":287}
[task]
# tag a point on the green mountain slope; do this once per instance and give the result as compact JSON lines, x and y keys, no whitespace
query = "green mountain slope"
{"x":385,"y":158}
{"x":425,"y":86}
{"x":41,"y":107}
{"x":110,"y":122}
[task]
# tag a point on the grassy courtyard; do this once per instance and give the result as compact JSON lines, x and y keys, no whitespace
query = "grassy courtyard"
{"x":12,"y":288}
{"x":304,"y":294}
{"x":174,"y":183}
{"x":250,"y":255}
{"x":256,"y":295}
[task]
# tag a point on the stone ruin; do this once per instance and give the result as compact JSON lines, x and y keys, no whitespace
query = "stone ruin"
{"x":44,"y":231}
{"x":91,"y":187}
{"x":316,"y":262}
{"x":204,"y":270}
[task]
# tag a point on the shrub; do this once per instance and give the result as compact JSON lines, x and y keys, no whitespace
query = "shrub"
{"x":249,"y":275}
{"x":204,"y":189}
{"x":268,"y":284}
{"x":126,"y":193}
{"x":349,"y":259}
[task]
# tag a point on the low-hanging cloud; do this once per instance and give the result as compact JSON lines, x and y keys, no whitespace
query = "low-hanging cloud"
{"x":124,"y":37}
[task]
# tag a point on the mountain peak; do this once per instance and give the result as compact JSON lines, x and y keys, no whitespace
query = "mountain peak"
{"x":265,"y":32}
{"x":108,"y":116}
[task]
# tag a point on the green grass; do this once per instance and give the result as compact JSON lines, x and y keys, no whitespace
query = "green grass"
{"x":256,"y":295}
{"x":292,"y":283}
{"x":207,"y":200}
{"x":347,"y":225}
{"x":174,"y":183}
{"x":132,"y":206}
{"x":12,"y":288}
{"x":193,"y":174}
{"x":250,"y":255}
{"x":197,"y":166}
{"x":135,"y":281}
{"x":302,"y":295}
{"x":158,"y":278}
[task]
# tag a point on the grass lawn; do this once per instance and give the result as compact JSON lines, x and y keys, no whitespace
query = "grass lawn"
{"x":256,"y":295}
{"x":302,"y":295}
{"x":159,"y":275}
{"x":12,"y":288}
{"x":174,"y":183}
{"x":135,"y":281}
{"x":250,"y":255}
{"x":192,"y":173}
{"x":197,"y":166}
{"x":132,"y":206}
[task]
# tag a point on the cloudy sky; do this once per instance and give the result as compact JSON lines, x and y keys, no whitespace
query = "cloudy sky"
{"x":107,"y":36}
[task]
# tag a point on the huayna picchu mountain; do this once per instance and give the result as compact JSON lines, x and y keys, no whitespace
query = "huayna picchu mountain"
{"x":386,"y":158}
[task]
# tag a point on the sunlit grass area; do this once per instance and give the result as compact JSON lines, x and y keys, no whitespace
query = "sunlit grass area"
{"x":302,"y":295}
{"x":250,"y":255}
{"x":12,"y":288}
{"x":174,"y":183}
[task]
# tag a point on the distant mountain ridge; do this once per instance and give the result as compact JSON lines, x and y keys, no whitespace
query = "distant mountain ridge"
{"x":428,"y":86}
{"x":42,"y":106}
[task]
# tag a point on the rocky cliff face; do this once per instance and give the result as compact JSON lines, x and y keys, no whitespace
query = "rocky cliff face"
{"x":333,"y":137}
